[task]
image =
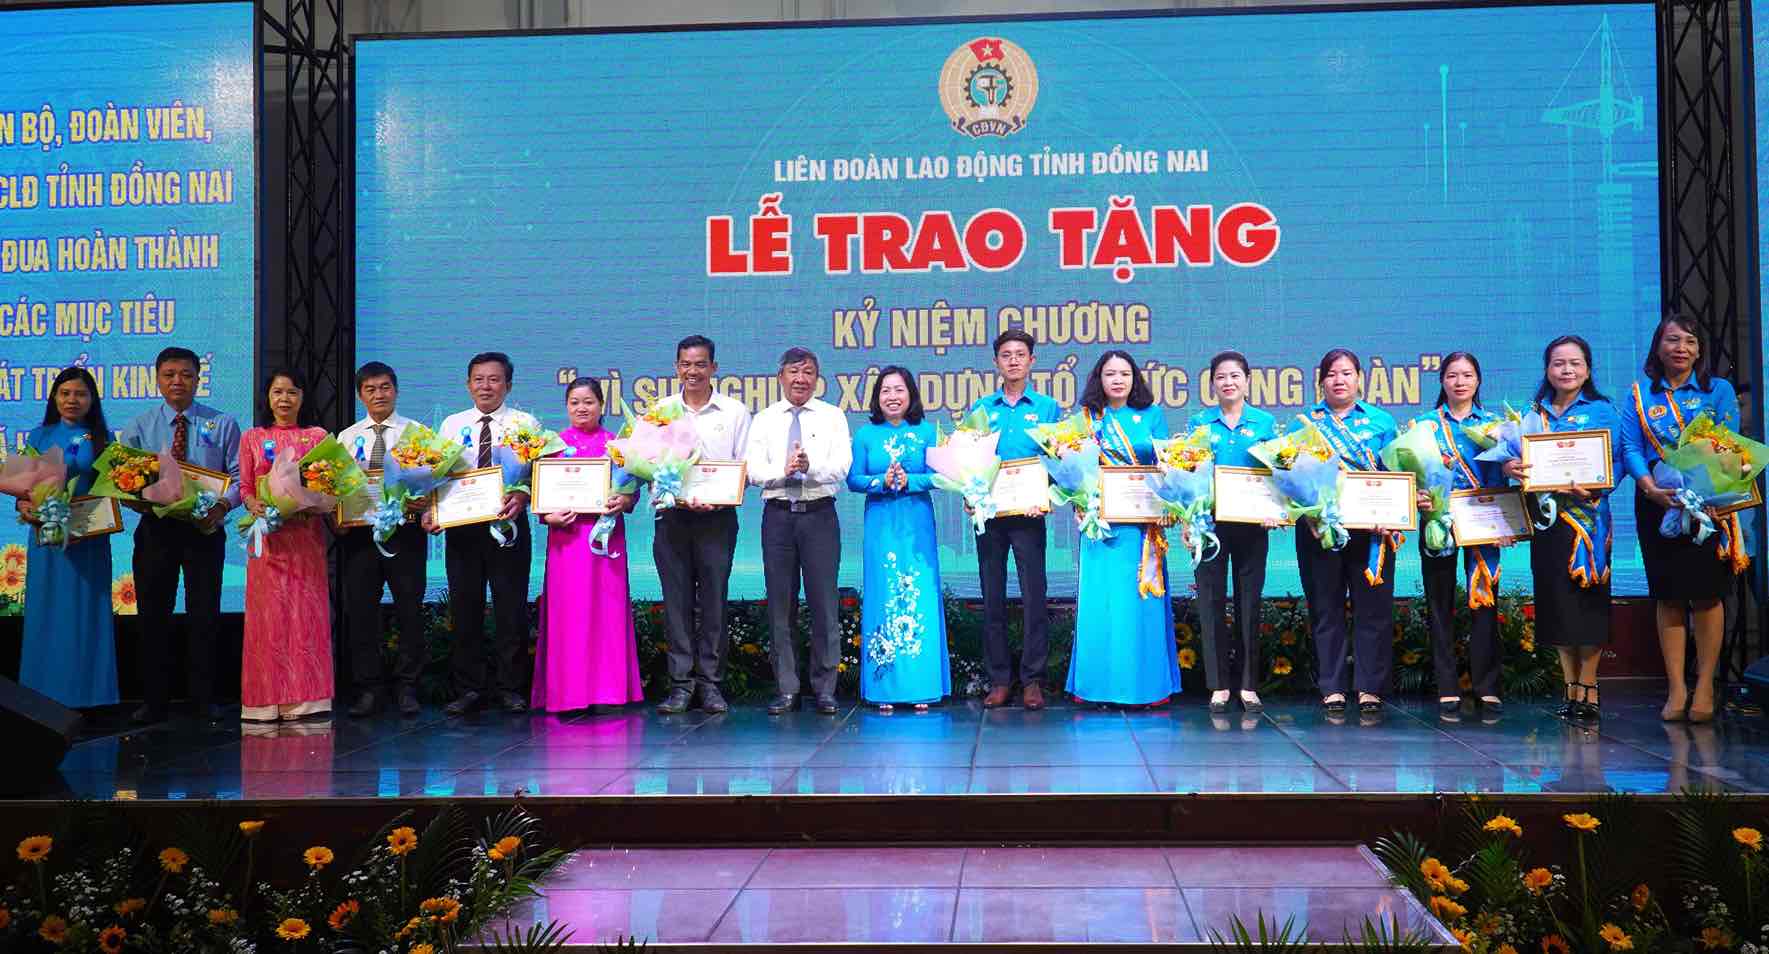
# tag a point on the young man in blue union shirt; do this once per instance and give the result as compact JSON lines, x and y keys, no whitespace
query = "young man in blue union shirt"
{"x":1012,"y":410}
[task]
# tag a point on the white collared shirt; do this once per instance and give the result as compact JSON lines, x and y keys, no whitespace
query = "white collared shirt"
{"x":464,"y":426}
{"x":722,"y":425}
{"x":823,"y":430}
{"x":364,"y":430}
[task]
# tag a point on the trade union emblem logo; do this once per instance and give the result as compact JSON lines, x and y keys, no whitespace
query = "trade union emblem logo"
{"x":988,"y":87}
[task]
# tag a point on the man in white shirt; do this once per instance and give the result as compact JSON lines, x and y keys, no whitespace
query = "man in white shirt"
{"x":798,"y":453}
{"x":474,"y":557}
{"x":365,"y":570}
{"x":693,"y":543}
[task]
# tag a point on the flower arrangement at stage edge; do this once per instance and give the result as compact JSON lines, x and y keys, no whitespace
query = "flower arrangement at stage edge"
{"x":123,"y":596}
{"x":1600,"y":898}
{"x":108,"y":892}
{"x":12,"y":579}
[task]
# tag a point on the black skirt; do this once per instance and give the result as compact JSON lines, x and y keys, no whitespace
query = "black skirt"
{"x":1677,"y":569}
{"x":1567,"y":614}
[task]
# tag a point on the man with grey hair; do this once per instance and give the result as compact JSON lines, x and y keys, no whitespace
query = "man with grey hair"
{"x":798,"y":453}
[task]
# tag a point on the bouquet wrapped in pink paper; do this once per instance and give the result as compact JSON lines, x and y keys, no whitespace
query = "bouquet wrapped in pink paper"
{"x":43,"y":480}
{"x":177,"y":494}
{"x":964,"y":462}
{"x":658,"y":448}
{"x":285,"y":496}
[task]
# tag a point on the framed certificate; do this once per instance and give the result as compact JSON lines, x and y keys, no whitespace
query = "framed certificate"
{"x":1488,"y":515}
{"x":716,"y":483}
{"x":1557,"y":461}
{"x":571,"y":485}
{"x":354,"y":510}
{"x":476,"y":496}
{"x":1127,"y":495}
{"x":1755,"y":501}
{"x":1248,"y":495}
{"x":93,"y":517}
{"x":213,"y":481}
{"x":1378,"y":500}
{"x":1022,"y":488}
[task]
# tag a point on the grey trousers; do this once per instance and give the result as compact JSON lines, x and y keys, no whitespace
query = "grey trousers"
{"x":803,"y":545}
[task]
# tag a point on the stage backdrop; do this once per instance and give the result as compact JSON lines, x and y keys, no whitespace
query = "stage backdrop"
{"x":1404,"y":183}
{"x":128,"y":184}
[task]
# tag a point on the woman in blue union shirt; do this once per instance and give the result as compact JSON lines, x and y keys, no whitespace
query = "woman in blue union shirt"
{"x":1124,"y":650}
{"x":1458,"y":407}
{"x":1569,"y":562}
{"x":902,"y":622}
{"x":1688,"y":580}
{"x":1234,"y":426}
{"x":70,"y":651}
{"x":1363,"y":570}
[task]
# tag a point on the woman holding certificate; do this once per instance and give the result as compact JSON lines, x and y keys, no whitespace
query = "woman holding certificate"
{"x":902,"y":622}
{"x":1458,"y":407}
{"x":588,"y":653}
{"x":1688,"y":579}
{"x":1124,"y":649}
{"x":286,"y":661}
{"x":1569,"y":561}
{"x":1234,"y":427}
{"x":1362,"y":571}
{"x":70,"y":650}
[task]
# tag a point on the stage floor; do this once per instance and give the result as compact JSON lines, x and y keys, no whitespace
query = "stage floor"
{"x":950,"y":750}
{"x":978,"y":894}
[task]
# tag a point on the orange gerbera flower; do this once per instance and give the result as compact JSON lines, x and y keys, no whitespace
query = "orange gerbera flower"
{"x":1640,"y":897}
{"x":250,"y":829}
{"x":35,"y":848}
{"x":1583,"y":821}
{"x":54,"y":929}
{"x":293,"y":929}
{"x":343,"y":914}
{"x":1445,"y":909}
{"x":110,"y":940}
{"x":1537,"y":880}
{"x":222,"y":917}
{"x":402,"y":840}
{"x":1555,"y":944}
{"x":1715,"y":939}
{"x":317,"y":857}
{"x":1504,"y":824}
{"x":174,"y":860}
{"x":129,"y":906}
{"x":1748,"y":837}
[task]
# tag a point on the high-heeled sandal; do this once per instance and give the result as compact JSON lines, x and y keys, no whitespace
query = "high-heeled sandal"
{"x":1569,"y":705}
{"x":1588,"y":711}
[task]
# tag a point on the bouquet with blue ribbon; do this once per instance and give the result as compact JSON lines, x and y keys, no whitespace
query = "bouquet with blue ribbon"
{"x":657,"y":449}
{"x":1502,"y":440}
{"x":413,"y":468}
{"x":964,"y":462}
{"x":1187,"y":488}
{"x":1071,"y":457}
{"x":1712,"y":467}
{"x":516,"y":453}
{"x":1305,"y":469}
{"x":1416,"y":452}
{"x":43,"y":480}
{"x":179,"y":495}
{"x":284,"y":497}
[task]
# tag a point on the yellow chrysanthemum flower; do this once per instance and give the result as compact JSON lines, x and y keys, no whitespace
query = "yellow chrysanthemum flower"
{"x":35,"y":848}
{"x":250,"y":829}
{"x":1583,"y":821}
{"x":1748,"y":837}
{"x":1616,"y":938}
{"x":1446,"y":909}
{"x":293,"y":929}
{"x":1537,"y":880}
{"x":1504,"y":824}
{"x":317,"y":857}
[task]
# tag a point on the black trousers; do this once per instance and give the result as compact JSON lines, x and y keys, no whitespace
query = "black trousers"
{"x":1024,"y":536}
{"x":693,"y":552}
{"x":1330,"y":577}
{"x":803,"y":545}
{"x":365,"y":573}
{"x":1483,"y":639}
{"x":1231,"y":657}
{"x":474,"y":559}
{"x":163,"y":547}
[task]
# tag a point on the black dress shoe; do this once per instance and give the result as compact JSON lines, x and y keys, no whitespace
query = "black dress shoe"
{"x":826,"y":705}
{"x":1334,"y":706}
{"x":148,"y":714}
{"x":1492,"y":707}
{"x":512,"y":702}
{"x":676,"y":702}
{"x":712,"y":701}
{"x":785,"y":702}
{"x":364,"y":705}
{"x":468,"y":702}
{"x":1219,"y":707}
{"x":1449,"y":710}
{"x":408,"y":702}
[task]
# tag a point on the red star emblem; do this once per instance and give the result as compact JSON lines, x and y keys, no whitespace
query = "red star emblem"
{"x":986,"y":49}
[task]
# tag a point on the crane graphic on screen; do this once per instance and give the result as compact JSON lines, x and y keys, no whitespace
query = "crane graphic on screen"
{"x":1608,"y":113}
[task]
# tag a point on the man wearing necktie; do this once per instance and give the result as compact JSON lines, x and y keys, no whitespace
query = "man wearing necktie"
{"x":474,"y":558}
{"x":365,"y":570}
{"x":204,"y":437}
{"x":799,"y":453}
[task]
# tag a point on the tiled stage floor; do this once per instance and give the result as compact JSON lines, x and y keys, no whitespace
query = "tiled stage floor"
{"x":955,"y":749}
{"x":978,"y":894}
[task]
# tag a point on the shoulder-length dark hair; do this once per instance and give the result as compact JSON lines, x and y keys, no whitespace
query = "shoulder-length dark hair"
{"x":1093,"y":396}
{"x":915,"y":412}
{"x":1703,"y":369}
{"x":1444,"y":369}
{"x":1545,"y":390}
{"x":94,"y":420}
{"x":305,"y":417}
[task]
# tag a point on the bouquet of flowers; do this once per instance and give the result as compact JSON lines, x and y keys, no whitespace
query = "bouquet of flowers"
{"x":285,"y":495}
{"x":330,"y":470}
{"x":43,"y":480}
{"x":965,"y":462}
{"x":1071,"y":457}
{"x":1306,"y":471}
{"x":123,"y":472}
{"x":179,"y":495}
{"x":658,"y":449}
{"x":516,"y":453}
{"x":1416,"y":452}
{"x":1502,"y":440}
{"x":1187,"y":488}
{"x":413,"y":467}
{"x":1711,"y":467}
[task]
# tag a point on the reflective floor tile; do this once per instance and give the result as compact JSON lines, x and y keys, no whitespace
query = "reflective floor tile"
{"x":1055,"y":867}
{"x":1074,"y":915}
{"x":861,"y":915}
{"x":1060,"y":779}
{"x":860,"y":867}
{"x":629,"y":868}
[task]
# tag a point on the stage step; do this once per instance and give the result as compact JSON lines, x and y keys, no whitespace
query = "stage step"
{"x":985,"y":896}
